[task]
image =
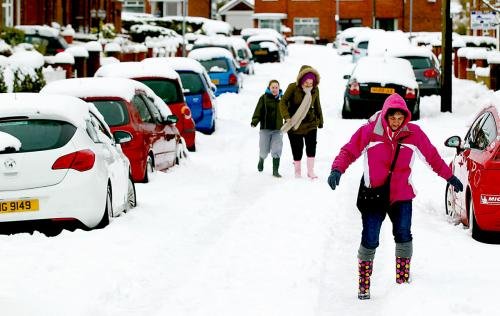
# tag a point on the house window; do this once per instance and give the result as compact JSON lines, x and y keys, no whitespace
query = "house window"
{"x":8,"y":13}
{"x":347,"y":23}
{"x":386,"y":24}
{"x":270,"y":24}
{"x":306,"y":27}
{"x":133,"y":6}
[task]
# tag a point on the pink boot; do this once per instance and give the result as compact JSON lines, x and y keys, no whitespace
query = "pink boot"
{"x":310,"y":168}
{"x":365,"y":269}
{"x":296,"y":164}
{"x":402,"y":270}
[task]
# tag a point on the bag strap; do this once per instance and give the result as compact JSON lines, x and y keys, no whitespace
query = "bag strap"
{"x":395,"y":158}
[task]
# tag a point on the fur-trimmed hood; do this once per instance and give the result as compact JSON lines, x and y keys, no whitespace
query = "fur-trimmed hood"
{"x":306,"y":69}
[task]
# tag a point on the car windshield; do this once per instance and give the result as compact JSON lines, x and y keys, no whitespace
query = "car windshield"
{"x":193,"y":82}
{"x":114,"y":112}
{"x":215,"y":65}
{"x":38,"y":135}
{"x":419,"y":62}
{"x":167,"y":90}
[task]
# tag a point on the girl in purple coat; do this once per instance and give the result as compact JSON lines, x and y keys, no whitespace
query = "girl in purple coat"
{"x":378,"y":140}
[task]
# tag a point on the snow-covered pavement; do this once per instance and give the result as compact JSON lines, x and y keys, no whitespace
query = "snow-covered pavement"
{"x":214,"y":237}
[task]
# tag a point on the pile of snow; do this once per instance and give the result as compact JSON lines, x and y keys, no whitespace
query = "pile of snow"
{"x":208,"y":53}
{"x":8,"y":141}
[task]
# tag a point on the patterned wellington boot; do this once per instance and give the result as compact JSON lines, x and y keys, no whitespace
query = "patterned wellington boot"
{"x":365,"y":269}
{"x":402,"y":270}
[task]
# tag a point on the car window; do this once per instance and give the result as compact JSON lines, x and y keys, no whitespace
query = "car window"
{"x":38,"y":135}
{"x":419,"y":62}
{"x":167,"y":90}
{"x":193,"y":82}
{"x":153,"y":109}
{"x":488,"y":132}
{"x":215,"y":65}
{"x":143,"y":110}
{"x":476,"y":137}
{"x":114,"y":112}
{"x":363,"y":44}
{"x":100,"y":128}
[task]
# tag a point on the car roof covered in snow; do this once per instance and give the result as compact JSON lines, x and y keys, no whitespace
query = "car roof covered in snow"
{"x":178,"y":63}
{"x":410,"y":50}
{"x":210,"y":53}
{"x":60,"y":107}
{"x":123,"y":88}
{"x":385,"y":70}
{"x":135,"y":69}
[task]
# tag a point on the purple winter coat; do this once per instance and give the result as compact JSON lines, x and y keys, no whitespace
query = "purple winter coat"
{"x":378,"y":143}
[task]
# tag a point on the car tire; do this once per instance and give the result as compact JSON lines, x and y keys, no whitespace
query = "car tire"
{"x":108,"y":211}
{"x":131,"y":196}
{"x":149,"y":170}
{"x":477,"y":233}
{"x":450,"y":205}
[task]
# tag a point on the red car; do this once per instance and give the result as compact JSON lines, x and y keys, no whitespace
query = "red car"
{"x":135,"y":115}
{"x":477,"y":165}
{"x":166,"y":83}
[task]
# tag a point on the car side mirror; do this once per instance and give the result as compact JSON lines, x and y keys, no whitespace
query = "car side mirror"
{"x":122,"y":137}
{"x":185,"y":91}
{"x":213,"y":88}
{"x":454,"y":142}
{"x":171,"y":119}
{"x":347,"y":76}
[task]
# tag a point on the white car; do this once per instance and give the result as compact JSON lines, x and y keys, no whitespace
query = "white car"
{"x":59,"y":161}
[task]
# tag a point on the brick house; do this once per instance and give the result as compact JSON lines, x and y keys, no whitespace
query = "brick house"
{"x":317,"y":18}
{"x":78,"y":13}
{"x":202,"y":8}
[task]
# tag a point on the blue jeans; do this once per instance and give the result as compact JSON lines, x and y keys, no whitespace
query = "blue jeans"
{"x":400,"y":216}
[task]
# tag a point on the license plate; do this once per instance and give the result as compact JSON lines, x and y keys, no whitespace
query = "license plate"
{"x":215,"y":81}
{"x":382,"y":90}
{"x":16,"y":206}
{"x":260,"y":52}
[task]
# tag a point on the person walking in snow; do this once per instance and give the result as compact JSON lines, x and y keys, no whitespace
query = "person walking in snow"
{"x":301,"y":109}
{"x":270,"y":136}
{"x":386,"y":132}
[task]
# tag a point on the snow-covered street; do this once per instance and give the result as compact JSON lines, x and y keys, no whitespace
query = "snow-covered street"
{"x":214,"y":237}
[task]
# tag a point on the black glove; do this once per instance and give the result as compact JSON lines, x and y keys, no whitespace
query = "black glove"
{"x":457,"y":185}
{"x":334,"y":178}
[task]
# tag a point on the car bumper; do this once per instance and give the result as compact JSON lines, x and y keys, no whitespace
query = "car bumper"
{"x":206,"y":123}
{"x":81,"y":195}
{"x":224,"y":89}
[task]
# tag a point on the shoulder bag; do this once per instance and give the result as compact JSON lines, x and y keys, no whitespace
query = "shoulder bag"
{"x":376,"y":198}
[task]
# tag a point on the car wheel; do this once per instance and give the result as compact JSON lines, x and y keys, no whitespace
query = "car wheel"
{"x":149,"y":170}
{"x":477,"y":233}
{"x":131,"y":197}
{"x":108,"y":211}
{"x":450,"y":205}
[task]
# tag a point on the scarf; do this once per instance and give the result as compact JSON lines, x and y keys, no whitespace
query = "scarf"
{"x":296,"y":119}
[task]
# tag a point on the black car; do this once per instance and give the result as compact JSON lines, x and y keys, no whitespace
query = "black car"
{"x":373,"y":79}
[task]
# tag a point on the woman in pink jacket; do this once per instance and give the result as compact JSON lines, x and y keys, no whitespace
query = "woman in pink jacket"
{"x":378,"y":140}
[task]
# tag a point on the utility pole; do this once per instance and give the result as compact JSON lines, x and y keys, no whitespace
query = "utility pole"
{"x":184,"y":13}
{"x":446,"y":58}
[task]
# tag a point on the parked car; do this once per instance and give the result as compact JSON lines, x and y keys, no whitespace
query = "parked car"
{"x":45,"y":39}
{"x":266,"y":48}
{"x":166,"y":84}
{"x":425,"y":66}
{"x":60,"y":161}
{"x":244,"y":56}
{"x":221,"y":68}
{"x":198,"y":90}
{"x":477,"y":165}
{"x":373,"y":79}
{"x":132,"y":110}
{"x":345,"y":39}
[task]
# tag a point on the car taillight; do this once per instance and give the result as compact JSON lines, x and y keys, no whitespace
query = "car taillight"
{"x":206,"y":103}
{"x":81,"y":160}
{"x":355,"y":51}
{"x":410,"y":93}
{"x":186,"y":112}
{"x":243,"y":63}
{"x":59,"y":50}
{"x":430,"y":73}
{"x":354,"y":88}
{"x":233,"y":79}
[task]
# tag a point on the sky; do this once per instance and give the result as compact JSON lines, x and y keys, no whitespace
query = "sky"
{"x":213,"y":236}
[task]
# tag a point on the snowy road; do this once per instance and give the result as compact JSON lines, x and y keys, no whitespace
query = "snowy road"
{"x":214,"y":237}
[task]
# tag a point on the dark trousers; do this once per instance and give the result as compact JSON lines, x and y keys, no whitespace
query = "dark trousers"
{"x":400,"y":216}
{"x":297,"y":143}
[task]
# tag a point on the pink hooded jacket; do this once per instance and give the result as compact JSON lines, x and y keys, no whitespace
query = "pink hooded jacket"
{"x":378,"y":143}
